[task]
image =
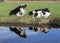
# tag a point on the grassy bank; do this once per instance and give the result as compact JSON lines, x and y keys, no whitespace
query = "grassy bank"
{"x":5,"y":8}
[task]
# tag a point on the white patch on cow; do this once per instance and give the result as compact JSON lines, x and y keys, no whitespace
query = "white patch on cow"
{"x":33,"y":13}
{"x":18,"y":14}
{"x":22,"y":32}
{"x":47,"y":14}
{"x":23,"y":11}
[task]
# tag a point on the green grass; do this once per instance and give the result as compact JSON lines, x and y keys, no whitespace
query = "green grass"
{"x":5,"y":8}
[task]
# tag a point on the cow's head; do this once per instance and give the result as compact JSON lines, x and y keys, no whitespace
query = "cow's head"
{"x":23,"y":6}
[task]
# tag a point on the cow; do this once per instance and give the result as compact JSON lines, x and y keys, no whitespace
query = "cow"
{"x":19,"y":11}
{"x":40,"y":13}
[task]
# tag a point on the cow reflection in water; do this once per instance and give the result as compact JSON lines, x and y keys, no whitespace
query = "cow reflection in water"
{"x":40,"y":29}
{"x":22,"y":33}
{"x":18,"y":31}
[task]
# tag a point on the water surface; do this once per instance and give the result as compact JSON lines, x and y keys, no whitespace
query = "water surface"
{"x":7,"y":36}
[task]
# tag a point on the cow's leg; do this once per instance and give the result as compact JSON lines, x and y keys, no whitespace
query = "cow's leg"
{"x":33,"y":15}
{"x":18,"y":14}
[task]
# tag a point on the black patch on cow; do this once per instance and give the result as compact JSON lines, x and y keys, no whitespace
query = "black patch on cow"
{"x":30,"y":13}
{"x":43,"y":12}
{"x":30,"y":28}
{"x":35,"y":29}
{"x":35,"y":14}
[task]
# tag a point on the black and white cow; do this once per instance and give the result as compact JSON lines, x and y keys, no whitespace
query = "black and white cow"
{"x":40,"y":13}
{"x":19,"y":11}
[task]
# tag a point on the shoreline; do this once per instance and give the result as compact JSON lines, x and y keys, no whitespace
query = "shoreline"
{"x":32,"y":22}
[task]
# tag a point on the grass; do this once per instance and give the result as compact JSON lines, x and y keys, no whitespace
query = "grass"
{"x":54,"y":7}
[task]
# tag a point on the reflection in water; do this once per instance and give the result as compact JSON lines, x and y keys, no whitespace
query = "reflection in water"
{"x":22,"y":33}
{"x":53,"y":36}
{"x":18,"y":31}
{"x":39,"y":29}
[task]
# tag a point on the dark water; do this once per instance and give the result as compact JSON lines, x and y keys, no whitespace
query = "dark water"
{"x":50,"y":36}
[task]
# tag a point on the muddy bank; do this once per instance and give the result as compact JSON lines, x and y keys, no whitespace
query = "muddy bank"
{"x":30,"y":22}
{"x":23,"y":21}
